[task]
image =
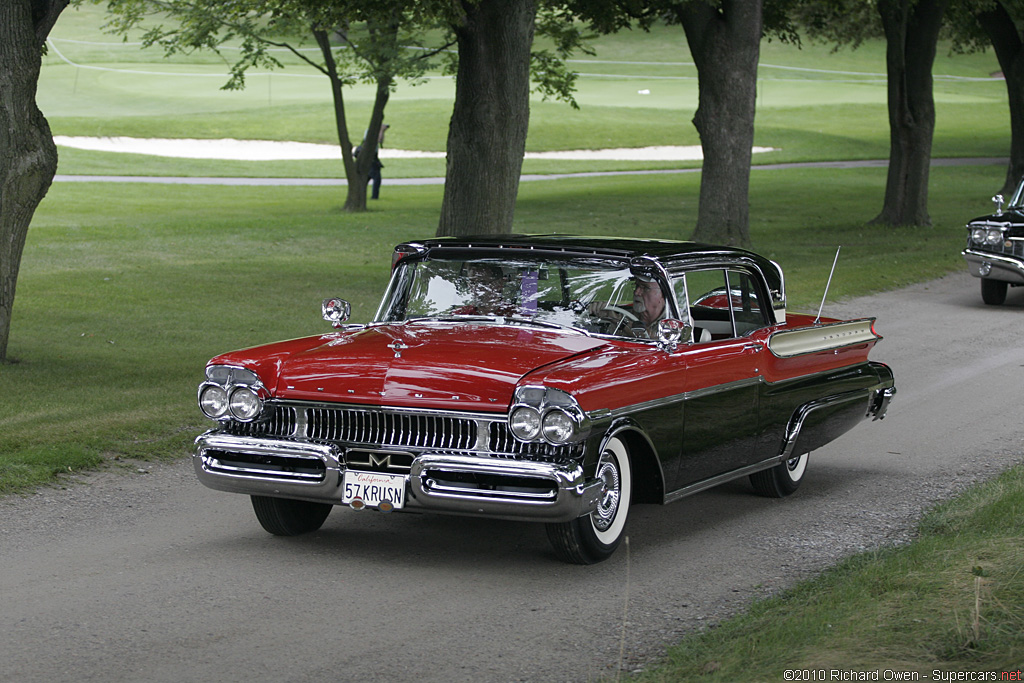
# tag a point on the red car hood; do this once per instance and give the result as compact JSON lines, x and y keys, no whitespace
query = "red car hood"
{"x":460,"y":367}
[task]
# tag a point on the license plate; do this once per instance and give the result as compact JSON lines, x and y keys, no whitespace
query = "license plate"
{"x":374,"y":489}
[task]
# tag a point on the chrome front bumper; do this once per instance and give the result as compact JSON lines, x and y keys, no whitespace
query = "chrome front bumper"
{"x":994,"y":266}
{"x":479,"y":486}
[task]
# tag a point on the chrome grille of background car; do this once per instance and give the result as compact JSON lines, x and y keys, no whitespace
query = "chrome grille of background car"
{"x":418,"y":431}
{"x":1016,"y":247}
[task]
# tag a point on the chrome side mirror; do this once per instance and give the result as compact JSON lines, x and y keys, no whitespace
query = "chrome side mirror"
{"x":336,"y":311}
{"x":998,"y":201}
{"x":672,"y":332}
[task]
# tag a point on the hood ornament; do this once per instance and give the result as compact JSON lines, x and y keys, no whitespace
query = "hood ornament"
{"x":397,"y":346}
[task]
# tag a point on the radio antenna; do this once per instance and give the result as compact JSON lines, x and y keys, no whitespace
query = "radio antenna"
{"x":827,"y":284}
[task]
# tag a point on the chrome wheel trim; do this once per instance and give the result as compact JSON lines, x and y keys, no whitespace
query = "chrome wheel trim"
{"x":609,"y":518}
{"x":795,"y":467}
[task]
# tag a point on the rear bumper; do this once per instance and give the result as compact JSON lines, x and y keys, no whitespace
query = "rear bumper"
{"x":994,"y":266}
{"x":465,"y":484}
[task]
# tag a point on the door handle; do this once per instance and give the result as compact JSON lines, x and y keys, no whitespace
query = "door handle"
{"x":756,"y":348}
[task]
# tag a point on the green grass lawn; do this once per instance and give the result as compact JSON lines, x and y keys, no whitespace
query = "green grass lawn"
{"x":126,"y":290}
{"x":948,"y":602}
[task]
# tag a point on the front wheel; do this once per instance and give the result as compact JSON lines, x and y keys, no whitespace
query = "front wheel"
{"x":993,"y":292}
{"x":781,"y":480}
{"x":286,"y":517}
{"x":594,"y":537}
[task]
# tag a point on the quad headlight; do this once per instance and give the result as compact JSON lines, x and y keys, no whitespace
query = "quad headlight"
{"x":543,"y":414}
{"x":525,"y":422}
{"x":987,"y":236}
{"x":231,"y":393}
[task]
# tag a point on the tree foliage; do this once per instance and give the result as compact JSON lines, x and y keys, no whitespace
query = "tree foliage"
{"x":358,"y":41}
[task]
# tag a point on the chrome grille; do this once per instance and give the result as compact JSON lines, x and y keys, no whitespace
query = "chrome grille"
{"x":282,"y":422}
{"x":378,"y":428}
{"x":502,"y":442}
{"x":352,"y":426}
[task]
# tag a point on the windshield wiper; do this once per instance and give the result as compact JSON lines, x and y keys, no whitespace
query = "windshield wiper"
{"x":524,"y":320}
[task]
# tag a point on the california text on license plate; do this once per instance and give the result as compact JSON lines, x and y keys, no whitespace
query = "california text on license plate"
{"x":374,"y":488}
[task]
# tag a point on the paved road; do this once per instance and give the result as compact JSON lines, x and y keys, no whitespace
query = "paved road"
{"x":132,"y":577}
{"x":194,"y":180}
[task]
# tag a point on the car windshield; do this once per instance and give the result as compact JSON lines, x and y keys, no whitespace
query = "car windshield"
{"x":563,"y":293}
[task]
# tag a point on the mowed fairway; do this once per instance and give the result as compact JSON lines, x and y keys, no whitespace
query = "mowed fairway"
{"x":127,"y":289}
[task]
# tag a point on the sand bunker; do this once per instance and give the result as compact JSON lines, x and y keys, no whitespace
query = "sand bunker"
{"x":271,"y":150}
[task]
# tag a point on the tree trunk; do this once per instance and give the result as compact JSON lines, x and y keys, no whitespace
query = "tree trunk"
{"x":999,"y":27}
{"x":487,"y":133}
{"x":725,"y":43}
{"x":355,"y":198}
{"x":28,"y":156}
{"x":911,"y":32}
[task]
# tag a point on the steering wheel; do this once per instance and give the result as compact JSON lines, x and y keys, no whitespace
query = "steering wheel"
{"x":626,"y":315}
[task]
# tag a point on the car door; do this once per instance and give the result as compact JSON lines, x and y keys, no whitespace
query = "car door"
{"x":722,"y":372}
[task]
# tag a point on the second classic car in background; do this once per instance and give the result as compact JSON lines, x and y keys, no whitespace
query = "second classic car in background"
{"x":554,"y":379}
{"x":995,"y":247}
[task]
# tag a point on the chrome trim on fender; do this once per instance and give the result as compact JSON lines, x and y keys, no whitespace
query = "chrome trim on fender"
{"x":1002,"y":267}
{"x":829,"y":337}
{"x":722,"y":478}
{"x":600,"y":414}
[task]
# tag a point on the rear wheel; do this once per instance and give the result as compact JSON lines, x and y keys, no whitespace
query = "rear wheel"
{"x":781,"y":480}
{"x":286,"y":517}
{"x":594,"y":537}
{"x":993,"y":292}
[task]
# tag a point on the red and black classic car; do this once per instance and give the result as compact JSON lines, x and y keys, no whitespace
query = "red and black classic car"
{"x":995,"y":248}
{"x":555,"y":379}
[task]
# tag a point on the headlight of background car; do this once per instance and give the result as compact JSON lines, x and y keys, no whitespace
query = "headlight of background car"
{"x":543,"y":414}
{"x":994,"y":237}
{"x":986,"y":236}
{"x":231,"y":392}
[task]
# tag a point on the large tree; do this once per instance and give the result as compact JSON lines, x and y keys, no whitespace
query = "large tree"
{"x":725,"y":42}
{"x":999,"y":23}
{"x":724,"y":37}
{"x":911,"y":35}
{"x":911,"y":29}
{"x":368,"y":41}
{"x":28,"y":156}
{"x":490,"y":116}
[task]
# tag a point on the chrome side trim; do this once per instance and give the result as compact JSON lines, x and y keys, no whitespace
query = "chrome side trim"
{"x":802,"y":413}
{"x":1002,"y":267}
{"x":722,"y":478}
{"x":606,"y":413}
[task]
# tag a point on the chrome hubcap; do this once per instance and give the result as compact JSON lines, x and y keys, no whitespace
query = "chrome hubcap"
{"x":611,"y":489}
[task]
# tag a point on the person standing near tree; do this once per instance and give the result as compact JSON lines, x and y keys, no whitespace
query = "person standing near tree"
{"x":376,"y":166}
